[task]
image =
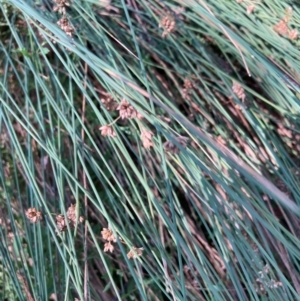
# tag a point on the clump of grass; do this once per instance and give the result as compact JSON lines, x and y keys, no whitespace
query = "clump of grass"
{"x":149,"y":150}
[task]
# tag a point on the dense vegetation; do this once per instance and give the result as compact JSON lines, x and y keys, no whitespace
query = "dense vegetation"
{"x":149,"y":150}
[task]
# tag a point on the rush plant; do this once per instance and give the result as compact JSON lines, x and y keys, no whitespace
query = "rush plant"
{"x":149,"y":150}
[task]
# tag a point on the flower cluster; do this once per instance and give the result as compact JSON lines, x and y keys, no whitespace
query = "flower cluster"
{"x":283,"y":29}
{"x":107,"y":130}
{"x":126,"y":111}
{"x":238,"y":90}
{"x":135,"y":252}
{"x":109,"y":237}
{"x":109,"y":103}
{"x":64,"y":22}
{"x":146,"y":137}
{"x":187,"y":88}
{"x":35,"y":216}
{"x":168,"y":24}
{"x":71,"y":219}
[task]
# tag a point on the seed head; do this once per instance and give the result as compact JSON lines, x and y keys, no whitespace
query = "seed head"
{"x":107,"y":234}
{"x":72,"y":215}
{"x":238,"y":90}
{"x":293,"y":34}
{"x":108,"y":247}
{"x":168,"y":24}
{"x":61,"y":6}
{"x":66,"y":26}
{"x":107,"y":130}
{"x":61,"y":223}
{"x":109,"y":103}
{"x":33,"y":215}
{"x":135,"y":252}
{"x":282,"y":28}
{"x":126,"y":110}
{"x":146,"y":137}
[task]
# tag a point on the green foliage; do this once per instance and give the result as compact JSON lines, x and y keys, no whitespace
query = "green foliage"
{"x":174,"y":124}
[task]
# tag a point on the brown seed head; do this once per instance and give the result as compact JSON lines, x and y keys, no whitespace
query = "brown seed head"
{"x":293,"y":34}
{"x":72,"y":215}
{"x":188,"y":84}
{"x":135,"y":252}
{"x":108,"y":247}
{"x":66,"y":26}
{"x":61,"y":6}
{"x":126,"y":110}
{"x":33,"y":215}
{"x":107,"y":130}
{"x":146,"y":137}
{"x":281,"y":28}
{"x":61,"y":223}
{"x":238,"y":90}
{"x":107,"y":234}
{"x":169,"y":25}
{"x":109,"y":103}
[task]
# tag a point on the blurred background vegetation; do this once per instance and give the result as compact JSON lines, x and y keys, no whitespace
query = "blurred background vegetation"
{"x":149,"y":150}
